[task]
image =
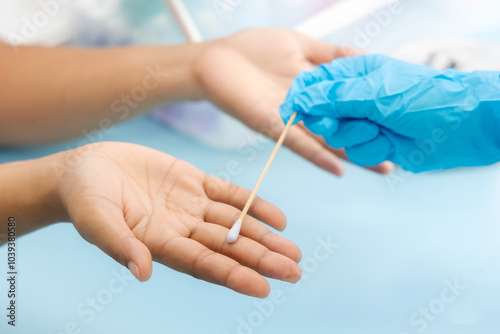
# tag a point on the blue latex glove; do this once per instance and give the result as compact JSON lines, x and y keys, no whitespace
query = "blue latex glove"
{"x":379,"y":108}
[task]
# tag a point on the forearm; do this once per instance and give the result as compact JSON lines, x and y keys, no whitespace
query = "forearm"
{"x":50,"y":94}
{"x":28,"y":193}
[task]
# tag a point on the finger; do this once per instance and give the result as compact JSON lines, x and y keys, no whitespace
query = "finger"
{"x":339,"y":99}
{"x":371,"y":153}
{"x":322,"y":126}
{"x":319,"y":52}
{"x":317,"y":100}
{"x":287,"y":108}
{"x":338,"y":70}
{"x":226,"y":215}
{"x":191,"y":257}
{"x":352,"y":133}
{"x":317,"y":92}
{"x":309,"y":148}
{"x":248,"y":252}
{"x":220,"y":190}
{"x":384,"y":168}
{"x":305,"y":101}
{"x":106,"y":228}
{"x":349,"y":133}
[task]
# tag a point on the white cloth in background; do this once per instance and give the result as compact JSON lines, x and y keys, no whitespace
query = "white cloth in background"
{"x":84,"y":22}
{"x":463,"y":55}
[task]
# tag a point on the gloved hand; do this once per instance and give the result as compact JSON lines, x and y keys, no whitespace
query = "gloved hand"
{"x":379,"y":108}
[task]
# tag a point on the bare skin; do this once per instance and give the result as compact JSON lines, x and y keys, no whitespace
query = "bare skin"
{"x":57,"y":93}
{"x":138,"y":205}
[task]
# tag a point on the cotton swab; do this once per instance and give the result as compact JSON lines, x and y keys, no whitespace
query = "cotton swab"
{"x":234,"y":232}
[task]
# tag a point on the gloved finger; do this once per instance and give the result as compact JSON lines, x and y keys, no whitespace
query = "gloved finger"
{"x":308,"y":102}
{"x":286,"y":111}
{"x":339,"y":69}
{"x":343,"y":68}
{"x":384,"y":168}
{"x":287,"y":107}
{"x":371,"y":153}
{"x":353,"y":132}
{"x":353,"y":67}
{"x":313,"y":101}
{"x":362,"y":66}
{"x":325,"y":78}
{"x":322,"y":126}
{"x":351,"y":98}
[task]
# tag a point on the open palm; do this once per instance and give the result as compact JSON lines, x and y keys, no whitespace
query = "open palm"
{"x":138,"y":204}
{"x":248,"y":75}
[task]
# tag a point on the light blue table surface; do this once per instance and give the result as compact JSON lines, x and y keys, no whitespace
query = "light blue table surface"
{"x":392,"y":252}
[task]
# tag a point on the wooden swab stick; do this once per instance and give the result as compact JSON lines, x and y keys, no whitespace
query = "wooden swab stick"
{"x":233,"y":233}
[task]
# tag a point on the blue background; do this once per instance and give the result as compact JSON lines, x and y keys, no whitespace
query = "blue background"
{"x":395,"y":245}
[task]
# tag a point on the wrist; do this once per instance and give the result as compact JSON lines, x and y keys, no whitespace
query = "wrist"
{"x":31,"y":194}
{"x":49,"y":198}
{"x":179,"y":71}
{"x":203,"y":71}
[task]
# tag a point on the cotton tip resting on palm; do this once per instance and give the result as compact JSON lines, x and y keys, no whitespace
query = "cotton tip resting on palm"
{"x":234,"y":232}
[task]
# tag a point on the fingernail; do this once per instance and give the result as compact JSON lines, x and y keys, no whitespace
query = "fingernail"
{"x":134,"y":270}
{"x":333,"y":165}
{"x":292,"y":279}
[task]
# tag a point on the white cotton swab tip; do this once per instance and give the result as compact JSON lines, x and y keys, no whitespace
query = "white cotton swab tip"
{"x":233,"y":233}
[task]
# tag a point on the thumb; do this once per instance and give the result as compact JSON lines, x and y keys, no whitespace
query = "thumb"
{"x":342,"y":99}
{"x":107,"y":229}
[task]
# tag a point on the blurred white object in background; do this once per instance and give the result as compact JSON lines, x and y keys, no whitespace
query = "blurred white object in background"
{"x":30,"y":22}
{"x":206,"y":123}
{"x":476,"y":16}
{"x":463,"y":55}
{"x":339,"y":16}
{"x":127,"y":22}
{"x":86,"y":22}
{"x":201,"y":120}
